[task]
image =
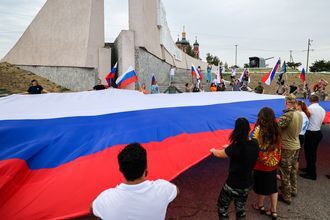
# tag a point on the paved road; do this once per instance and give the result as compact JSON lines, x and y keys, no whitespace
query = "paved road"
{"x":200,"y":186}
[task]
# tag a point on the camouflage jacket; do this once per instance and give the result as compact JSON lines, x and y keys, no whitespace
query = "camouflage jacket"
{"x":290,"y":124}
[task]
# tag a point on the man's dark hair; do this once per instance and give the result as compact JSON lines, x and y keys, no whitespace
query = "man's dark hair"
{"x":314,"y":99}
{"x":187,"y":84}
{"x":133,"y":161}
{"x":33,"y":81}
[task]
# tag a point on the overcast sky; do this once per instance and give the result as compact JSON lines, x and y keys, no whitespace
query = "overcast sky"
{"x":265,"y":28}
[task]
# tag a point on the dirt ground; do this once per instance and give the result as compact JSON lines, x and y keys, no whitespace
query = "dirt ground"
{"x":15,"y":80}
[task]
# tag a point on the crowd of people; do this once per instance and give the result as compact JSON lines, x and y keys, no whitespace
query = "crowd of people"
{"x":256,"y":159}
{"x":303,"y":91}
{"x":273,"y":147}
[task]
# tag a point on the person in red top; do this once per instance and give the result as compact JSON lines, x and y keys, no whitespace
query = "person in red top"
{"x":267,"y":134}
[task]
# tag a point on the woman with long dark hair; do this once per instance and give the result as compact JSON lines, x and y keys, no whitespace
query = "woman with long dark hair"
{"x":243,"y":153}
{"x":265,"y":183}
{"x":303,"y":109}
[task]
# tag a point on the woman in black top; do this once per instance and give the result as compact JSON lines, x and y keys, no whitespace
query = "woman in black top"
{"x":243,"y":153}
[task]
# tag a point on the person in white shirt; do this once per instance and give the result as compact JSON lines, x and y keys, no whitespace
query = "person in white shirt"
{"x":136,"y":198}
{"x":172,"y":74}
{"x":313,"y":137}
{"x":233,"y":73}
{"x":302,"y":108}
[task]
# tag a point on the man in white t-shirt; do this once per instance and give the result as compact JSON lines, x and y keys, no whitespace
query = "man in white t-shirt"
{"x":137,"y":198}
{"x":172,"y":74}
{"x":313,"y":137}
{"x":233,"y":73}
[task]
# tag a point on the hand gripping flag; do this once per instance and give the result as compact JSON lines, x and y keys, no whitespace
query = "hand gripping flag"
{"x":127,"y":78}
{"x":268,"y":78}
{"x":111,"y":75}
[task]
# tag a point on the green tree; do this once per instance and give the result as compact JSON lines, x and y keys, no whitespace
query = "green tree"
{"x":190,"y":51}
{"x":246,"y":65}
{"x":210,"y":59}
{"x":293,"y":65}
{"x":320,"y":65}
{"x":226,"y":66}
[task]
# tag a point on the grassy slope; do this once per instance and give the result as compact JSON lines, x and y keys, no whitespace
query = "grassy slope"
{"x":15,"y":80}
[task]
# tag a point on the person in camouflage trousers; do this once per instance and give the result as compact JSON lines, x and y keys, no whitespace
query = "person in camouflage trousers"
{"x":228,"y":194}
{"x":288,"y":170}
{"x":290,"y":124}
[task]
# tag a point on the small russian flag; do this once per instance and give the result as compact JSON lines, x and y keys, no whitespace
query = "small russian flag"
{"x":153,"y":80}
{"x":112,"y":74}
{"x":268,"y":78}
{"x":127,"y":78}
{"x":303,"y":75}
{"x":195,"y":72}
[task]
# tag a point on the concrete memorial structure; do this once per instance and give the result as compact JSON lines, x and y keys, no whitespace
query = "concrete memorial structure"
{"x":65,"y":44}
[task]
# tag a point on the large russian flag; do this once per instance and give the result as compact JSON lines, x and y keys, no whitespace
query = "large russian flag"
{"x":59,"y":151}
{"x":268,"y":78}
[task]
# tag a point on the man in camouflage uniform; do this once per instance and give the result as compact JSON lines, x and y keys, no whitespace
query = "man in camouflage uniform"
{"x":290,"y":124}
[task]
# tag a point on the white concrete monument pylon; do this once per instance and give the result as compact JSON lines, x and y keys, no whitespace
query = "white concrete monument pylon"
{"x":65,"y":42}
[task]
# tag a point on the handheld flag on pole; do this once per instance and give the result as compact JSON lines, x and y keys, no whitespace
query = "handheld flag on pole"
{"x":127,"y":78}
{"x":241,"y":78}
{"x":112,"y":74}
{"x":153,"y":80}
{"x":282,"y":71}
{"x":219,"y":75}
{"x":195,"y":72}
{"x":245,"y":71}
{"x":303,"y":75}
{"x":268,"y":78}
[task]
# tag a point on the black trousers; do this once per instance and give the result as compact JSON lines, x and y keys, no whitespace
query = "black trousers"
{"x":302,"y":142}
{"x":312,"y":140}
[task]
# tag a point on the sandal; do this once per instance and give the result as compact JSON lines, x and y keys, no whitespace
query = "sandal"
{"x":273,"y":215}
{"x":261,"y":209}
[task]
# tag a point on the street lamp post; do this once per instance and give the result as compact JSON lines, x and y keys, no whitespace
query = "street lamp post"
{"x":308,"y":49}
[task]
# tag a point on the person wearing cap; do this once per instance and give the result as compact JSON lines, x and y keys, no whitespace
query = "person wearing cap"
{"x":290,"y":124}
